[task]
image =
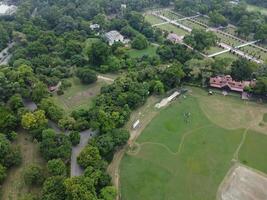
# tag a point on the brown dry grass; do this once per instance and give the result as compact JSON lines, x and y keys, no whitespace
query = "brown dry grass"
{"x":14,"y":187}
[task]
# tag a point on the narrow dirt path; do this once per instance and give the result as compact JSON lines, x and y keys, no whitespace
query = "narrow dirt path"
{"x":175,"y":153}
{"x":105,"y":78}
{"x":235,"y":157}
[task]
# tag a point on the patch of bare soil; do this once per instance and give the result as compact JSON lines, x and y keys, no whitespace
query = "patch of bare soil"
{"x":243,"y":183}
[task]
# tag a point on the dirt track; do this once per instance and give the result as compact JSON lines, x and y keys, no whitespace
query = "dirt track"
{"x":150,"y":113}
{"x":243,"y":183}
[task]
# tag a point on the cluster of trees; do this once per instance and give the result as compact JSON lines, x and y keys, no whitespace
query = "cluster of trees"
{"x":114,"y":104}
{"x":170,"y":52}
{"x":9,"y":156}
{"x":200,"y":39}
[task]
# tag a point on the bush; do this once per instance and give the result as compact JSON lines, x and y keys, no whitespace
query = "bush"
{"x":56,"y":167}
{"x":89,"y":157}
{"x":75,"y":138}
{"x":86,"y":75}
{"x":60,"y":92}
{"x":2,"y":173}
{"x":33,"y":175}
{"x":140,"y":42}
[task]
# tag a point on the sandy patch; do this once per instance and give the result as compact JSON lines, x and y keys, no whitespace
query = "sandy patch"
{"x":243,"y":183}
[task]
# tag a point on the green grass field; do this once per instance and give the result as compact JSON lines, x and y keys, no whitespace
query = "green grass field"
{"x":150,"y":51}
{"x":78,"y":96}
{"x":228,"y":55}
{"x":14,"y":187}
{"x":257,"y":9}
{"x":228,"y":40}
{"x":153,"y":19}
{"x":251,"y":50}
{"x":171,"y":15}
{"x":173,"y":29}
{"x":174,"y":159}
{"x":192,"y":24}
{"x":213,"y":49}
{"x":165,"y":27}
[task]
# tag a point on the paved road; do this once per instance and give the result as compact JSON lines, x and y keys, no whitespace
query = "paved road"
{"x":30,"y":104}
{"x":76,"y":170}
{"x":105,"y":78}
{"x":5,"y":55}
{"x":174,"y":22}
{"x":237,"y":51}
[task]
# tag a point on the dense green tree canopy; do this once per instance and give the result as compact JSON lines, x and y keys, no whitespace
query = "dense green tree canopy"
{"x":89,"y":157}
{"x":55,"y":145}
{"x":54,"y":188}
{"x":56,"y":167}
{"x":200,"y":40}
{"x":86,"y":75}
{"x":33,"y":175}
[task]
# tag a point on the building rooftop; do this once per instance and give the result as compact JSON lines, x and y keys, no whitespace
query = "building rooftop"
{"x":174,"y":37}
{"x":113,"y":35}
{"x":7,"y":9}
{"x":228,"y":82}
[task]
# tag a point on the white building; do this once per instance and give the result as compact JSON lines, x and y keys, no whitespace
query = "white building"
{"x":7,"y":10}
{"x":94,"y":26}
{"x":136,"y":124}
{"x":113,"y":36}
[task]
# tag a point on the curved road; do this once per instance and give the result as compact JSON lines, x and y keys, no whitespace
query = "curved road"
{"x":76,"y":170}
{"x":5,"y":55}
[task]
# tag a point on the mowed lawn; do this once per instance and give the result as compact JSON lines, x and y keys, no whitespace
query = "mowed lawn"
{"x":14,"y":187}
{"x":174,"y":159}
{"x":151,"y":50}
{"x":79,"y":96}
{"x":153,"y":19}
{"x":174,"y":29}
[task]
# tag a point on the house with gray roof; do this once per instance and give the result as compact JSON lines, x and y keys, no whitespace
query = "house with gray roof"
{"x":113,"y":36}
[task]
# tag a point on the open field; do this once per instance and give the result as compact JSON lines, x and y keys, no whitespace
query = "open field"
{"x":231,"y":30}
{"x":251,"y":50}
{"x":213,"y":49}
{"x":174,"y":29}
{"x":186,"y":156}
{"x":14,"y":187}
{"x":192,"y":24}
{"x":228,"y":40}
{"x":243,"y":183}
{"x":227,"y":55}
{"x":151,"y":50}
{"x":203,"y":19}
{"x":79,"y":95}
{"x":171,"y":15}
{"x":153,"y":19}
{"x":257,"y":9}
{"x":165,"y":27}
